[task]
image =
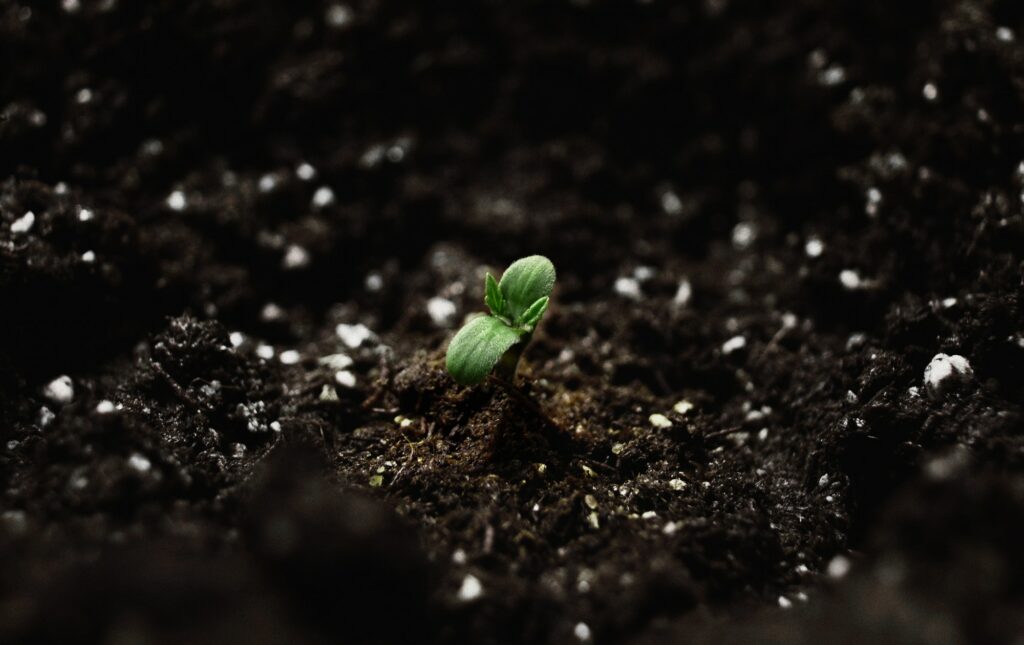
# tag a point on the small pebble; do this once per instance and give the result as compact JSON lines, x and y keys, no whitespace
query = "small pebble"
{"x":24,"y":223}
{"x":60,"y":390}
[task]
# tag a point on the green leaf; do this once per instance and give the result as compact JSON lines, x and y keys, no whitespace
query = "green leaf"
{"x":526,"y":281}
{"x":492,"y":296}
{"x":532,"y":316}
{"x":478,"y":347}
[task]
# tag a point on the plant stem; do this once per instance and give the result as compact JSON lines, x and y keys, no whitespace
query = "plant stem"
{"x":509,"y":363}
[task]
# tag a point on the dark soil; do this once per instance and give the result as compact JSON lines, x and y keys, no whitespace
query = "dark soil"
{"x":213,"y":479}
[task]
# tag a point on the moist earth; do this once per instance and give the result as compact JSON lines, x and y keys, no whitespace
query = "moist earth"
{"x":224,"y":415}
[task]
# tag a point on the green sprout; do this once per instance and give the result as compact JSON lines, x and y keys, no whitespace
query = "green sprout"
{"x":517,"y":304}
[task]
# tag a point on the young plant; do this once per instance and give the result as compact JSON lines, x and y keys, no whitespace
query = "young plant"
{"x":498,"y":340}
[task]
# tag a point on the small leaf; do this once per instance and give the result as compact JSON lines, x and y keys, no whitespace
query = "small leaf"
{"x":478,"y":347}
{"x":492,"y":296}
{"x":524,"y":282}
{"x":532,"y":316}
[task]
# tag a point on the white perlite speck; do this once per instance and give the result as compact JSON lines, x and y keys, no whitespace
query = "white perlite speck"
{"x":338,"y":16}
{"x":24,"y":223}
{"x":85,"y":215}
{"x":323,"y":197}
{"x":814,"y":247}
{"x":743,"y":235}
{"x":582,"y":632}
{"x":296,"y":257}
{"x":60,"y":390}
{"x":139,"y":463}
{"x":353,"y":335}
{"x":441,"y":310}
{"x":336,"y":361}
{"x":104,"y":407}
{"x":838,"y":567}
{"x":374,"y":282}
{"x":176,"y":201}
{"x":660,"y":421}
{"x":670,"y":203}
{"x":850,"y":279}
{"x":682,"y":407}
{"x":628,"y":287}
{"x":683,"y":293}
{"x":267,"y":183}
{"x":785,"y":603}
{"x":271,"y":312}
{"x":46,"y":416}
{"x":946,"y":372}
{"x":289,"y":357}
{"x":733,"y":344}
{"x":305,"y":172}
{"x":471,"y":588}
{"x":345,"y":378}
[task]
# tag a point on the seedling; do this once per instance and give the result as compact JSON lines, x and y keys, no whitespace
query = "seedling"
{"x":496,"y":341}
